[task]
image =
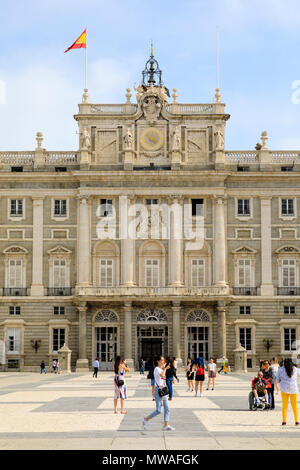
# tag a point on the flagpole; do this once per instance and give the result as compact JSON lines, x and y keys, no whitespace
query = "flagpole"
{"x":85,"y":71}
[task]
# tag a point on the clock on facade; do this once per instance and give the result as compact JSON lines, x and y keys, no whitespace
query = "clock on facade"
{"x":151,"y":138}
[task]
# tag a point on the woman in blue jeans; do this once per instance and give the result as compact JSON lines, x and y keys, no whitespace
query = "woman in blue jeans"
{"x":170,"y":375}
{"x":160,"y":381}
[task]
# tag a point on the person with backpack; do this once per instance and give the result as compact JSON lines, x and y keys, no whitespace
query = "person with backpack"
{"x":199,"y":378}
{"x":212,"y":372}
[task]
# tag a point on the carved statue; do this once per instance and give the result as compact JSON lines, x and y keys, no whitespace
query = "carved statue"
{"x":86,"y":141}
{"x":151,"y":106}
{"x":128,"y":139}
{"x":219,"y":140}
{"x":176,"y":139}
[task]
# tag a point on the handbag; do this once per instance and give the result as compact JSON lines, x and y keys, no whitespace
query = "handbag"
{"x":163,"y":391}
{"x":120,"y":382}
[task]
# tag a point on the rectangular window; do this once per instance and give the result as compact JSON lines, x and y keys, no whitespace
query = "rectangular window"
{"x":245,"y":310}
{"x":287,"y":206}
{"x":245,"y":338}
{"x":243,"y":207}
{"x":16,"y":207}
{"x":58,"y":338}
{"x":197,"y":207}
{"x":60,"y":207}
{"x":198,"y":272}
{"x":289,"y":339}
{"x":289,"y":310}
{"x":58,"y":310}
{"x":288,"y":268}
{"x":14,"y":310}
{"x":150,"y":202}
{"x":106,"y":272}
{"x":15,"y":271}
{"x":14,"y":335}
{"x":244,"y":273}
{"x":106,"y":207}
{"x":60,"y":273}
{"x":152,"y":272}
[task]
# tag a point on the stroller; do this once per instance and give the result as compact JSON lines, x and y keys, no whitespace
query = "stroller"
{"x":263,"y":400}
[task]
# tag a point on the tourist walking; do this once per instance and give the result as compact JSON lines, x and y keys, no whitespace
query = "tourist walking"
{"x":275,"y":367}
{"x":160,"y":388}
{"x":190,"y":374}
{"x":43,"y":367}
{"x":287,"y":379}
{"x":199,"y":378}
{"x":268,"y":375}
{"x":223,"y":366}
{"x":58,"y":366}
{"x":212,"y":372}
{"x":96,"y":366}
{"x":120,"y":368}
{"x":54,"y":366}
{"x":170,"y":376}
{"x":142,"y":366}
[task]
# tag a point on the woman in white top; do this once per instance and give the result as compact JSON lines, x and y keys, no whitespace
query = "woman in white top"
{"x":160,"y":381}
{"x":212,"y":372}
{"x":287,"y":378}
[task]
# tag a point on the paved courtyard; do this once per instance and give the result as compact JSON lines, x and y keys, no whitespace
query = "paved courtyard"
{"x":75,"y":412}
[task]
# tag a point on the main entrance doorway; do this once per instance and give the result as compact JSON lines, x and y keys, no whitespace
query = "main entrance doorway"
{"x":198,"y":342}
{"x":150,"y":347}
{"x":106,"y":346}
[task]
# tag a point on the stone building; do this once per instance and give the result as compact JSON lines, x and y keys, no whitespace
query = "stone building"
{"x":215,"y":255}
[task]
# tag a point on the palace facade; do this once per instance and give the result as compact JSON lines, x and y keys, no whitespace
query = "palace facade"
{"x":212,"y":261}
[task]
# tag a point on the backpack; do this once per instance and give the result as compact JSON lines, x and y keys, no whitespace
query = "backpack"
{"x":200,"y":371}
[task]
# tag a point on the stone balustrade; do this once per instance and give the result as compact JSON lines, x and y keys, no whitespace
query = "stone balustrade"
{"x":151,"y":291}
{"x":113,"y":108}
{"x":17,"y":158}
{"x":62,"y":158}
{"x":241,"y":156}
{"x":285,"y":156}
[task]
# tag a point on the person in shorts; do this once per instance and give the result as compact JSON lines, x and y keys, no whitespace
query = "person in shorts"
{"x":199,"y":378}
{"x":212,"y":372}
{"x":190,"y":374}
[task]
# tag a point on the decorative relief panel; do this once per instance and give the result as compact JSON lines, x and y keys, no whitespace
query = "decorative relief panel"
{"x":196,"y":146}
{"x":106,"y":147}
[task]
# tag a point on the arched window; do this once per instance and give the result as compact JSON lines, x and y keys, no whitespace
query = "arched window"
{"x":106,"y":316}
{"x":198,"y":316}
{"x":152,"y":316}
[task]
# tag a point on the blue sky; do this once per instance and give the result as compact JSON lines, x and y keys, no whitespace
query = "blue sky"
{"x":259,"y":61}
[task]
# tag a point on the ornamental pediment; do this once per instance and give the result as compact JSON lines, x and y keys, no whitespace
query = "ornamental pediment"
{"x":59,"y":250}
{"x":287,"y":249}
{"x":244,"y":250}
{"x":15,"y":250}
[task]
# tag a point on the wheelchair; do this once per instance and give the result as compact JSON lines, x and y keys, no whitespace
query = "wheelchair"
{"x":263,"y":403}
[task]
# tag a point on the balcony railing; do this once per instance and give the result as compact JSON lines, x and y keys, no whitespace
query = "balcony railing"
{"x":60,"y":291}
{"x":151,"y":291}
{"x":288,"y":290}
{"x":245,"y":291}
{"x":15,"y":291}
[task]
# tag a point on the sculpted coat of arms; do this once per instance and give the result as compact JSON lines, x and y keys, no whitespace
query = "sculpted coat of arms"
{"x":151,"y":107}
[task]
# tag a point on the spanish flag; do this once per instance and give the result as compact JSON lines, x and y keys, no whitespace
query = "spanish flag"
{"x":79,"y":43}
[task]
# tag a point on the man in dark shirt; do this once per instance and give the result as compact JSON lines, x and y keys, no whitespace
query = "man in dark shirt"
{"x":268,"y":375}
{"x":170,"y":375}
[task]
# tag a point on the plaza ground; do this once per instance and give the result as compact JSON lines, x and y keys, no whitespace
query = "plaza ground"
{"x":75,"y":412}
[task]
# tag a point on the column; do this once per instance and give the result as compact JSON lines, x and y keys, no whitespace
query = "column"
{"x":175,"y":254}
{"x":176,"y":333}
{"x":266,"y":288}
{"x":128,"y":334}
{"x":221,"y":309}
{"x":37,"y":287}
{"x":82,"y":364}
{"x":127,"y":235}
{"x":83,"y":252}
{"x":220,"y":274}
